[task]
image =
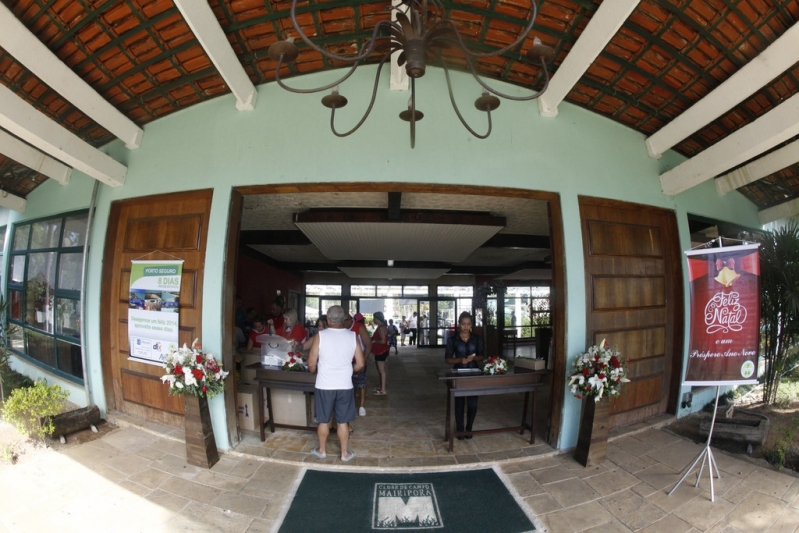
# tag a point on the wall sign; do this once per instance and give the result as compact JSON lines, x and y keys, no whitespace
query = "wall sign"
{"x":153,"y":310}
{"x":725,"y":315}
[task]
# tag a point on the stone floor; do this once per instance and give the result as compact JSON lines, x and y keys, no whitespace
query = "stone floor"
{"x":406,"y":426}
{"x":135,"y":477}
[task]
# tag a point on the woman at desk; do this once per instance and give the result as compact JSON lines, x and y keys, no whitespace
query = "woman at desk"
{"x":258,"y":328}
{"x":464,"y":350}
{"x":291,"y":328}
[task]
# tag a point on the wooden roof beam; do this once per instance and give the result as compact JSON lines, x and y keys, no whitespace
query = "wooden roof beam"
{"x":32,"y":158}
{"x":773,"y":61}
{"x":23,"y":120}
{"x":12,"y":202}
{"x":769,"y":130}
{"x":784,"y":210}
{"x":600,"y":30}
{"x":758,"y":169}
{"x":206,"y":28}
{"x":26,"y":48}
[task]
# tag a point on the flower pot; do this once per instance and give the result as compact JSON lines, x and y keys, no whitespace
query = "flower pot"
{"x":592,"y":440}
{"x":200,"y":444}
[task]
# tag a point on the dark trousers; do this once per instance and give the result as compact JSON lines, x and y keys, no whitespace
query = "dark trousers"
{"x":471,"y":411}
{"x":412,"y":340}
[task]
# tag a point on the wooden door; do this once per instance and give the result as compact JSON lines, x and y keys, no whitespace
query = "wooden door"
{"x":154,"y":227}
{"x":634,"y":300}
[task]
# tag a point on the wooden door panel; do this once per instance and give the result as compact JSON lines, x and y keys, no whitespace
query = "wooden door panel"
{"x":624,"y":239}
{"x":145,"y":390}
{"x":627,"y":292}
{"x":633,"y":297}
{"x":159,"y":227}
{"x":166,"y":232}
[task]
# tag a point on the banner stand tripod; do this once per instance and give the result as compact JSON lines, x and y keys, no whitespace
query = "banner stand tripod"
{"x":705,"y":455}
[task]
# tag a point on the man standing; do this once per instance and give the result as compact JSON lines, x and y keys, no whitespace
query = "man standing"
{"x":413,"y":328}
{"x":331,"y":356}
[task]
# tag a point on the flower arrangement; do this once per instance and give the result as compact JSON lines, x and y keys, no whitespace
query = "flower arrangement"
{"x":294,"y":363}
{"x":192,"y":371}
{"x":495,"y":365}
{"x":598,"y":371}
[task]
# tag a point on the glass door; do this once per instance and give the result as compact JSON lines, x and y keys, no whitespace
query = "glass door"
{"x":446,"y":318}
{"x":423,"y":322}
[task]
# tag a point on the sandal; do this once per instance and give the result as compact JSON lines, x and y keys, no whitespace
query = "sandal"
{"x":316,"y":453}
{"x":378,"y":392}
{"x":350,"y":458}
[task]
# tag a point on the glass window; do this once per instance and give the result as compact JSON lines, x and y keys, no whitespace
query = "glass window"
{"x":75,"y":231}
{"x":2,"y":239}
{"x":389,"y":290}
{"x":69,"y":272}
{"x":415,"y":290}
{"x":44,"y":292}
{"x":323,"y":290}
{"x":456,"y":290}
{"x":69,"y":360}
{"x":44,"y":234}
{"x":21,"y":237}
{"x":362,"y":290}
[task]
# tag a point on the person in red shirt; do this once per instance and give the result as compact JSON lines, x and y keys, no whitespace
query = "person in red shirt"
{"x":276,"y":312}
{"x":291,"y":329}
{"x":258,"y":328}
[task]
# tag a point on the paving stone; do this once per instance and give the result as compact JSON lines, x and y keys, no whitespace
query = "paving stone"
{"x":632,"y":510}
{"x":577,"y":518}
{"x":190,"y":489}
{"x":571,"y":492}
{"x":757,"y":512}
{"x":667,"y":524}
{"x":701,"y":513}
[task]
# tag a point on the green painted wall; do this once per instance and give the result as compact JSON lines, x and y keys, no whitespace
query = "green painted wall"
{"x":286,"y":140}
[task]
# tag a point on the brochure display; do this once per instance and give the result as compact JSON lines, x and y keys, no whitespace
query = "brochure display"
{"x":153,"y":310}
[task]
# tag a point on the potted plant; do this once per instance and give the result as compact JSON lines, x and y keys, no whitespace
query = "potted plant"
{"x":197,"y":376}
{"x":598,"y":376}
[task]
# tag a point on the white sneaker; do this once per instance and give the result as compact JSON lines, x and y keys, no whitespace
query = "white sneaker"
{"x":361,"y":411}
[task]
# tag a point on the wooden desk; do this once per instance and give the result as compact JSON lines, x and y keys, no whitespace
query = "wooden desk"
{"x":460,"y":384}
{"x":269,"y":377}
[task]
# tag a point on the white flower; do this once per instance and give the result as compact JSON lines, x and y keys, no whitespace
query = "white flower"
{"x":178,"y":384}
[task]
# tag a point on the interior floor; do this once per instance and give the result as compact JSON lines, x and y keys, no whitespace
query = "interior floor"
{"x":406,"y":426}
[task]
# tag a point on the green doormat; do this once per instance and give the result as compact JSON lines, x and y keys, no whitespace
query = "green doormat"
{"x":471,"y":500}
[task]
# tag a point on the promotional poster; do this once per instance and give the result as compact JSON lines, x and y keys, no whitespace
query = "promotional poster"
{"x":725,"y":315}
{"x":153,"y":309}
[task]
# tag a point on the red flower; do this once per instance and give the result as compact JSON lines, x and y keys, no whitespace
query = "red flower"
{"x":578,"y":396}
{"x":586,"y":372}
{"x":198,"y":374}
{"x":615,"y":362}
{"x":199,"y":358}
{"x":601,"y":375}
{"x":596,"y":357}
{"x":178,"y":370}
{"x":205,"y":389}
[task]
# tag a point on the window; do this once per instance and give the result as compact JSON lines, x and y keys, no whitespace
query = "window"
{"x":2,"y":247}
{"x":323,"y":290}
{"x":459,"y":291}
{"x":44,"y":290}
{"x":525,"y":309}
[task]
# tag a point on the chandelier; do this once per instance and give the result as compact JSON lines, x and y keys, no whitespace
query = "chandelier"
{"x":420,"y":33}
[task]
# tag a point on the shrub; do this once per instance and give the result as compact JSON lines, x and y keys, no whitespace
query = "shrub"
{"x":31,"y":409}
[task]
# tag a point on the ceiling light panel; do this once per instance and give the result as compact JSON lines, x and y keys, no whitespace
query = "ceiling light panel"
{"x":341,"y":241}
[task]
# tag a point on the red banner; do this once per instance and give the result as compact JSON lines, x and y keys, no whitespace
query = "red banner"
{"x":725,"y":315}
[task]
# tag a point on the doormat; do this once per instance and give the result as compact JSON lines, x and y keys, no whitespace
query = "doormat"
{"x":438,"y":502}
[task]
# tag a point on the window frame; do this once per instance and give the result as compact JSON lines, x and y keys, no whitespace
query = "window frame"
{"x":58,"y":293}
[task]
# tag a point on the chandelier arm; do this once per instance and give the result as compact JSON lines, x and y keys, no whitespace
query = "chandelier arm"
{"x":368,"y":109}
{"x":317,"y":89}
{"x":469,"y":52}
{"x":327,"y":54}
{"x":458,"y":112}
{"x":508,"y":96}
{"x":413,"y":113}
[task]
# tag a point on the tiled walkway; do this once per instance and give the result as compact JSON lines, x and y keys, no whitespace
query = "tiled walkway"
{"x":137,"y":479}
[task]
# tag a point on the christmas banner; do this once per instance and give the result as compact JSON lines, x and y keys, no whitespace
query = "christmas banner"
{"x":153,"y":309}
{"x":725,"y":315}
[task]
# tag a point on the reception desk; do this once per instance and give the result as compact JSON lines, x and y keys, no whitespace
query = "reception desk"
{"x":272,"y":377}
{"x":461,"y":384}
